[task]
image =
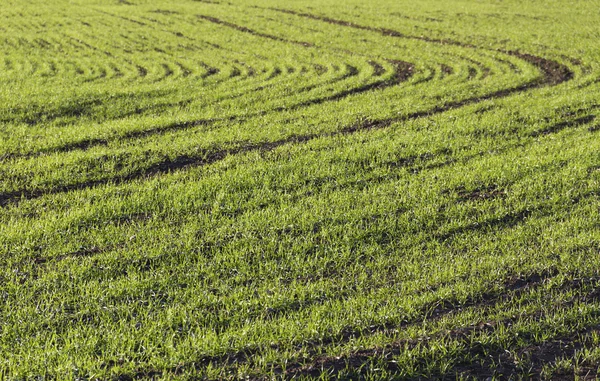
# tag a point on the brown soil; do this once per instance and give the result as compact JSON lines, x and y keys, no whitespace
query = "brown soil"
{"x":251,"y":31}
{"x":496,"y":361}
{"x":554,"y":74}
{"x":484,"y":193}
{"x":513,"y":287}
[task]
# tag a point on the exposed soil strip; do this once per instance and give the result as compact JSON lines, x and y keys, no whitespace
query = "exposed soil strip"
{"x":251,"y":72}
{"x":377,"y":68}
{"x":168,"y":71}
{"x":546,"y":352}
{"x":87,"y":143}
{"x":185,"y":161}
{"x":538,"y":356}
{"x":594,"y":128}
{"x":209,"y":70}
{"x":251,"y":31}
{"x":83,"y":252}
{"x":320,"y":69}
{"x":122,"y":18}
{"x":498,"y":362}
{"x":79,"y":109}
{"x":403,"y":71}
{"x":554,"y":74}
{"x":275,"y":73}
{"x":541,"y":353}
{"x":208,"y":2}
{"x":513,"y":288}
{"x":447,"y":70}
{"x":166,"y":12}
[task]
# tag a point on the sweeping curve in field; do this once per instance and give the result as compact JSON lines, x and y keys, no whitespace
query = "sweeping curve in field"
{"x":553,"y":74}
{"x":253,"y":190}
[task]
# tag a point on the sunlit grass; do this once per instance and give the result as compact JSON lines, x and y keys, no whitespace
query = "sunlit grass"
{"x":201,"y":189}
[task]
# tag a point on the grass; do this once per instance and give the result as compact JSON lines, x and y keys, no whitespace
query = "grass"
{"x":210,"y":190}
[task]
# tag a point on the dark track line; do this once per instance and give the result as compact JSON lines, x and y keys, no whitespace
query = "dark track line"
{"x":209,"y":2}
{"x":251,"y":31}
{"x":513,"y":288}
{"x":189,"y":161}
{"x":186,"y":161}
{"x":403,"y":71}
{"x":181,"y":162}
{"x":122,"y":18}
{"x":554,"y":73}
{"x":447,"y":70}
{"x":335,"y":365}
{"x":88,"y":143}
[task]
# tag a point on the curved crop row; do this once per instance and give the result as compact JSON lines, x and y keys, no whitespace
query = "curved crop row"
{"x":203,"y":189}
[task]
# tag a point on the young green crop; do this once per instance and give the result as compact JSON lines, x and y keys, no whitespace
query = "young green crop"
{"x":208,"y":190}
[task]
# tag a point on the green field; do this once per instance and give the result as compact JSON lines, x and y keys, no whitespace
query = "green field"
{"x":259,"y":189}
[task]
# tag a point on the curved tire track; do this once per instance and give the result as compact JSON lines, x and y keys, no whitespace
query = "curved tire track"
{"x":553,"y":73}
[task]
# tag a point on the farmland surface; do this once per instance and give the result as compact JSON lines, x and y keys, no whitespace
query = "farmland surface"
{"x":381,"y":189}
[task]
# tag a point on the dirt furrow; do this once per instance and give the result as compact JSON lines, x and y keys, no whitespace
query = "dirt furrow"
{"x":513,"y":288}
{"x":496,"y":359}
{"x":553,"y":72}
{"x":251,"y":31}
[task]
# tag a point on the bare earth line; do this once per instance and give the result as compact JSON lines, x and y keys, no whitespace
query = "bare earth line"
{"x":554,"y":74}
